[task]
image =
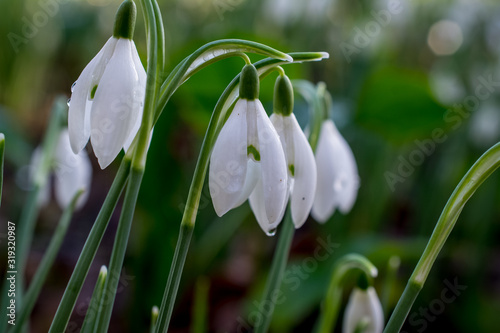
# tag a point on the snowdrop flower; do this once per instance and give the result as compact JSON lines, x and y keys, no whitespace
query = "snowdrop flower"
{"x":107,"y":99}
{"x":247,"y":157}
{"x":363,"y":308}
{"x":338,"y":179}
{"x":73,"y":172}
{"x":298,"y":154}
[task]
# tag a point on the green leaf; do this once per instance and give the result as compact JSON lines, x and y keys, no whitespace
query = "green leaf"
{"x":398,"y":104}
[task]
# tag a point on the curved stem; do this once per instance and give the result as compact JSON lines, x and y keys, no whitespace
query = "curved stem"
{"x":276,"y":272}
{"x":45,"y":265}
{"x":333,"y":297}
{"x":476,"y":175}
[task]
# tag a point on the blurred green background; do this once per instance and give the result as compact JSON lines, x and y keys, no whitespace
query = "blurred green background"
{"x":415,"y":85}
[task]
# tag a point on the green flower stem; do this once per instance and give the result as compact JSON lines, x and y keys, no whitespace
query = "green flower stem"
{"x":89,"y":250}
{"x":152,"y":86}
{"x":333,"y":297}
{"x":200,"y":307}
{"x":228,"y":97}
{"x":476,"y":175}
{"x":390,"y":278}
{"x":119,"y":249}
{"x":206,"y":55}
{"x":90,"y":322}
{"x":174,"y":277}
{"x":277,"y":270}
{"x":2,"y":153}
{"x":137,"y":172}
{"x":45,"y":265}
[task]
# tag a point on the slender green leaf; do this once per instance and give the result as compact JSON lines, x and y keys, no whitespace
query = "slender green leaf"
{"x":90,"y":322}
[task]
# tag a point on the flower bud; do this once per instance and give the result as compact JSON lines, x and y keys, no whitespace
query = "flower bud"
{"x":125,"y":20}
{"x":249,"y":83}
{"x":283,"y":96}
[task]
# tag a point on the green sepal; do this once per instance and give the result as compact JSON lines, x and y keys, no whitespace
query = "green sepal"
{"x":283,"y":96}
{"x":125,"y":20}
{"x":364,"y":282}
{"x":249,"y":83}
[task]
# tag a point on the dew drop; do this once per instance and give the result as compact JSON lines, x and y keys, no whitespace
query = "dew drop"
{"x":69,"y":101}
{"x":73,"y":86}
{"x":208,"y":56}
{"x":271,"y":232}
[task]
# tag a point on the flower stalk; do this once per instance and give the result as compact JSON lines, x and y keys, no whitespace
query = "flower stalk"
{"x":476,"y":175}
{"x":333,"y":298}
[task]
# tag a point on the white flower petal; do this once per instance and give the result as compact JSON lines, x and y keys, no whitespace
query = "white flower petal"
{"x":228,"y":163}
{"x":363,"y":305}
{"x":141,"y":73}
{"x":117,"y":104}
{"x":338,"y":179}
{"x":273,"y":164}
{"x":258,"y":206}
{"x":81,"y":103}
{"x":73,"y":173}
{"x":304,"y":186}
{"x":251,"y":179}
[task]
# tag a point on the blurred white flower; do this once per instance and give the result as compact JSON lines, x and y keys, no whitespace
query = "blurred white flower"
{"x":363,"y":308}
{"x":484,"y":130}
{"x":337,"y":174}
{"x":107,"y":101}
{"x":301,"y":166}
{"x":73,"y":172}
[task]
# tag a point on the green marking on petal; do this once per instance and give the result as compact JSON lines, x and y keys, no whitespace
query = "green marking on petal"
{"x":291,"y":167}
{"x":252,"y":150}
{"x":92,"y":92}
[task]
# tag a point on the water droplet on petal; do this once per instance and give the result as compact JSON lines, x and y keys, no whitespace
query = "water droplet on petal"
{"x":69,"y":101}
{"x":271,"y":232}
{"x":219,"y":52}
{"x":73,"y":86}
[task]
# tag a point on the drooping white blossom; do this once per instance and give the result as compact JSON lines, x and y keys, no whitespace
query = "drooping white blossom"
{"x":107,"y":101}
{"x":73,"y":172}
{"x":363,"y":308}
{"x":337,"y":176}
{"x":301,"y":166}
{"x":248,"y":157}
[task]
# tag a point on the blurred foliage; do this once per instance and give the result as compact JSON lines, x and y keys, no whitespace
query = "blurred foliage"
{"x":389,"y":95}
